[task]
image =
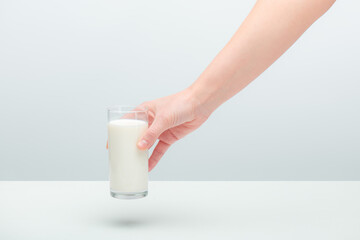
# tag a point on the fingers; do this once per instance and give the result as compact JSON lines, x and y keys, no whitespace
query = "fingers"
{"x":158,"y":126}
{"x":132,"y":115}
{"x":158,"y":152}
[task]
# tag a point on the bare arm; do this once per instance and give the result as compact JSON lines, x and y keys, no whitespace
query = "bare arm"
{"x":269,"y":30}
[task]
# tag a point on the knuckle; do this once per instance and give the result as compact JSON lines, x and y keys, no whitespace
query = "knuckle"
{"x":158,"y":152}
{"x":162,"y":119}
{"x":174,"y":138}
{"x":151,"y":134}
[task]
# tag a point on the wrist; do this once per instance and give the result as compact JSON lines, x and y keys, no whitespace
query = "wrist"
{"x":205,"y":98}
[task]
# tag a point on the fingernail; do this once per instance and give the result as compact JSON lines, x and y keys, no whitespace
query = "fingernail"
{"x":143,"y":144}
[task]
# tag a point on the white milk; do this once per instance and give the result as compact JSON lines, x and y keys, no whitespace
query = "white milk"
{"x":128,"y":164}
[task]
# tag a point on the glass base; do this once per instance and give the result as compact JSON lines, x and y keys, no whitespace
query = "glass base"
{"x":128,"y":195}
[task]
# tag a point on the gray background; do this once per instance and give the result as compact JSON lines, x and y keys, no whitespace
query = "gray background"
{"x":63,"y":62}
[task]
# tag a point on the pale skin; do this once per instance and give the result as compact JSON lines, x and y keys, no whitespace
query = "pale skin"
{"x":269,"y":30}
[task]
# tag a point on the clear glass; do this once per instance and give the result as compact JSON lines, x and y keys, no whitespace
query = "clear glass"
{"x":128,"y":165}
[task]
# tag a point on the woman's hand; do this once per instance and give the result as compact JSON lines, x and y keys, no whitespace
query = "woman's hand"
{"x":170,"y":119}
{"x":268,"y":31}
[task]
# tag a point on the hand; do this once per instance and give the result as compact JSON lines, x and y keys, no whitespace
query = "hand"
{"x":170,"y":119}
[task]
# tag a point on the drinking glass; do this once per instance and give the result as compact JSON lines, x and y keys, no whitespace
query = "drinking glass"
{"x":128,"y":164}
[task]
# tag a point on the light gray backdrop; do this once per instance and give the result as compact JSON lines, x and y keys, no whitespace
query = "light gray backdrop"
{"x":63,"y":62}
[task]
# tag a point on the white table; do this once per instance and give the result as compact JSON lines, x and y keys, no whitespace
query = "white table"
{"x":181,"y":210}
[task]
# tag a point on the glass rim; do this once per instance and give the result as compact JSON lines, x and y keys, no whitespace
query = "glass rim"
{"x":126,"y":109}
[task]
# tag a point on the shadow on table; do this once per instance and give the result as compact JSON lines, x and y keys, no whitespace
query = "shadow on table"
{"x":139,"y":220}
{"x":126,"y":223}
{"x":129,"y":215}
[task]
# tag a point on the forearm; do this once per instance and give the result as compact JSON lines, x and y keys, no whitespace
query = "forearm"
{"x":269,"y":30}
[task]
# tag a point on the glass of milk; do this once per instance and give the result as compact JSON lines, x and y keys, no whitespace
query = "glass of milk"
{"x":128,"y":164}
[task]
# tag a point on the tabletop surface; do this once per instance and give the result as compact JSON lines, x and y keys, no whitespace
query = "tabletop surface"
{"x":181,"y":210}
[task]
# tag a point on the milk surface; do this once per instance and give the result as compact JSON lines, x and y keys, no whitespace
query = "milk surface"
{"x":128,"y":164}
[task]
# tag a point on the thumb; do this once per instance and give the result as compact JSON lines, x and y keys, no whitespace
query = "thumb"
{"x":150,"y":136}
